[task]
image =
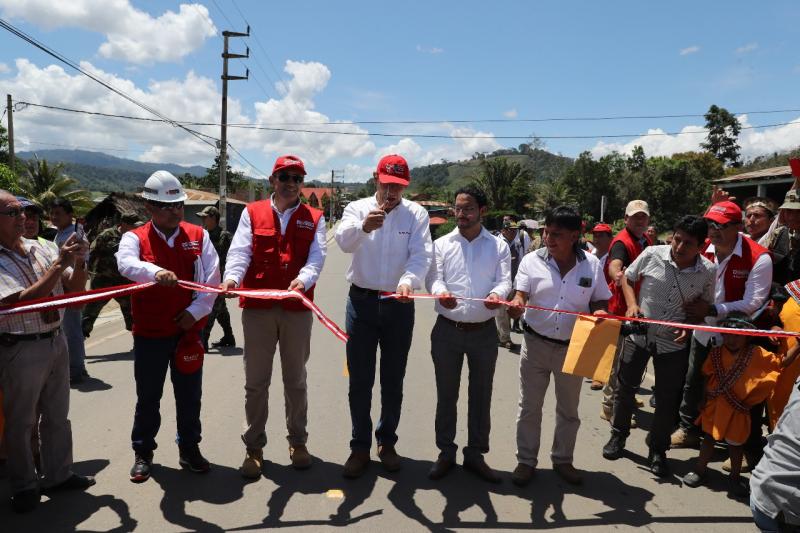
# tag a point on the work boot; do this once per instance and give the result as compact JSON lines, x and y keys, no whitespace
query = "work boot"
{"x":440,"y":468}
{"x":478,"y":466}
{"x":251,"y":466}
{"x":191,"y":459}
{"x":300,"y":457}
{"x":568,"y":473}
{"x":140,"y":472}
{"x":614,"y":447}
{"x":522,"y":474}
{"x":356,"y":464}
{"x":658,"y":464}
{"x":389,"y":458}
{"x":681,"y":438}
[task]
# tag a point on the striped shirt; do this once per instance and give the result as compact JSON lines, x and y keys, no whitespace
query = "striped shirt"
{"x":17,"y":273}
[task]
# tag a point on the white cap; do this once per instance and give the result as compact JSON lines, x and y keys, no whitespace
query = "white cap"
{"x":162,"y":186}
{"x":637,"y":206}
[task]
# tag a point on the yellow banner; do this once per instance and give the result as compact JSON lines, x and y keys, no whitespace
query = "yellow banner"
{"x":592,"y":347}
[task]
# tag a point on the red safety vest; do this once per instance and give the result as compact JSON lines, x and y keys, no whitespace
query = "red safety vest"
{"x":155,"y":309}
{"x":277,"y":259}
{"x":738,"y":268}
{"x":617,"y":305}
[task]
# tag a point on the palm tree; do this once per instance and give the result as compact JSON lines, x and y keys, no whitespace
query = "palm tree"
{"x":43,"y":183}
{"x":551,"y":194}
{"x":502,"y":181}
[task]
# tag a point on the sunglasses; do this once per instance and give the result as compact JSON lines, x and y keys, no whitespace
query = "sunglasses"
{"x":13,"y":212}
{"x":283,"y":177}
{"x":166,"y":206}
{"x":717,"y":226}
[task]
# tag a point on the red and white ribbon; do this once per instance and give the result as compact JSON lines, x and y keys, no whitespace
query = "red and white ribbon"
{"x":677,"y":325}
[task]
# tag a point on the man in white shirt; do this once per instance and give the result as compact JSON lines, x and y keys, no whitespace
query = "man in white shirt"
{"x":469,"y":262}
{"x":560,"y":276}
{"x":167,"y":320}
{"x":279,"y":244}
{"x":390,"y":240}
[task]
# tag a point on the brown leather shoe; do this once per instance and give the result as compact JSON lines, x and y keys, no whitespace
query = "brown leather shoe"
{"x":389,"y":458}
{"x":596,"y":385}
{"x":440,"y":468}
{"x":522,"y":474}
{"x":568,"y":473}
{"x":478,"y":466}
{"x":300,"y":457}
{"x":251,"y":466}
{"x":356,"y":464}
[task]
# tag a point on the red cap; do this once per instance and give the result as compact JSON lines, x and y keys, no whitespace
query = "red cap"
{"x":795,"y":164}
{"x":393,"y":169}
{"x":288,"y":161}
{"x":602,"y":227}
{"x":724,"y":212}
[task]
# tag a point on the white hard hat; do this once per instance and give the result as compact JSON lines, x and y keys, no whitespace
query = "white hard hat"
{"x":162,"y":186}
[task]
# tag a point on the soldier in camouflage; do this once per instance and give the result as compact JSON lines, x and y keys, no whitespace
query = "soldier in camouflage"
{"x":104,"y":273}
{"x":221,"y":239}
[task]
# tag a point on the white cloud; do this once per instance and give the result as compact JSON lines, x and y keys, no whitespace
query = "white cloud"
{"x":433,"y":50}
{"x":689,"y":50}
{"x":4,"y":69}
{"x":132,"y":35}
{"x":749,"y":47}
{"x":511,"y":113}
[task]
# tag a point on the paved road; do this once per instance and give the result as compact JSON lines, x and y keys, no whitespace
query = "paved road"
{"x":619,"y":495}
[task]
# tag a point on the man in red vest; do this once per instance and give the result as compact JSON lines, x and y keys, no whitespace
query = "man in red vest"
{"x":279,"y":244}
{"x":625,"y":248}
{"x":167,"y":319}
{"x":744,"y":276}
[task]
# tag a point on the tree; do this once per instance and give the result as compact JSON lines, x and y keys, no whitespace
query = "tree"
{"x":723,"y":134}
{"x":44,"y":183}
{"x":507,"y":185}
{"x":551,"y":194}
{"x":8,"y":179}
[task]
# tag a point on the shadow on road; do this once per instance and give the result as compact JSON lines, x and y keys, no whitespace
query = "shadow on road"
{"x":91,"y":384}
{"x":110,"y":358}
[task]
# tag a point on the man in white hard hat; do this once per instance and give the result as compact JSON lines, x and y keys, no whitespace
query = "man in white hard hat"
{"x":167,"y":319}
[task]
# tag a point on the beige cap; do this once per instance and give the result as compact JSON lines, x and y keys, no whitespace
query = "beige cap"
{"x":637,"y":206}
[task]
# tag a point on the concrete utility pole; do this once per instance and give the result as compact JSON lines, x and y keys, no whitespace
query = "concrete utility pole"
{"x":332,"y":199}
{"x":223,"y":141}
{"x":10,"y":109}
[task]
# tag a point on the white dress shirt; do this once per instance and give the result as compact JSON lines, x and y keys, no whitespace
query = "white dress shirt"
{"x":241,"y":250}
{"x":472,"y":269}
{"x":539,"y":276}
{"x":756,"y":290}
{"x":206,"y":268}
{"x":400,"y":252}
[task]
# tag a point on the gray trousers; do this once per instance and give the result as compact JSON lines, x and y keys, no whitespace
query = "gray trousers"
{"x":35,"y":374}
{"x":264,"y":329}
{"x":449,"y":345}
{"x":538,"y":361}
{"x":503,"y":322}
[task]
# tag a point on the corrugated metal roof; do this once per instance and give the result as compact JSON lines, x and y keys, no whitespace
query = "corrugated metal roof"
{"x":774,"y":172}
{"x":195,"y":195}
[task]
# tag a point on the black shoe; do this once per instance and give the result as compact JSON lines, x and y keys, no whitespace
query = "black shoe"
{"x":440,"y":468}
{"x":192,"y":459}
{"x":224,"y":342}
{"x":658,"y":464}
{"x":693,"y":479}
{"x":25,"y":501}
{"x":738,"y":487}
{"x":478,"y":466}
{"x":653,"y":401}
{"x":522,"y":474}
{"x":140,"y":472}
{"x":614,"y":447}
{"x":73,"y":482}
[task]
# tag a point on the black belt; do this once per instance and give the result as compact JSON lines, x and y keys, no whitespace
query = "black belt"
{"x":371,"y":292}
{"x":533,"y":332}
{"x":10,"y":339}
{"x":468,"y":326}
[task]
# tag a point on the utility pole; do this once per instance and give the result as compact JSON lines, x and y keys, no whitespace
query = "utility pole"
{"x":223,"y":142}
{"x":332,"y":199}
{"x":10,"y":109}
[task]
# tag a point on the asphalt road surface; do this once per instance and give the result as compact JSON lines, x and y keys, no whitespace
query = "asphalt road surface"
{"x":619,"y":495}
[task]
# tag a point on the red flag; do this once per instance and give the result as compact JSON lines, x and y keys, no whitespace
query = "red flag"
{"x":795,"y":164}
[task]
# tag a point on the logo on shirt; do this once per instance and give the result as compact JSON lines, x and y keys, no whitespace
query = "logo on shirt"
{"x":305,"y":224}
{"x":404,"y":233}
{"x":191,"y":245}
{"x":740,"y":273}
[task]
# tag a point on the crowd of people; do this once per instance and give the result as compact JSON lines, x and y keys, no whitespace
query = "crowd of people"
{"x":725,"y":268}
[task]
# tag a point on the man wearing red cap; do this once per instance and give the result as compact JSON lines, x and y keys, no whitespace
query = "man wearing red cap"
{"x":744,"y":275}
{"x":602,"y":235}
{"x":279,"y":244}
{"x":390,"y":240}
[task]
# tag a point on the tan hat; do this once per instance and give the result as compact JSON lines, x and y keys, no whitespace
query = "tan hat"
{"x":637,"y":206}
{"x":791,"y":201}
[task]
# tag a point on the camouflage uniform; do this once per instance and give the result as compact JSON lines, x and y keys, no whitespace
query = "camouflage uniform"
{"x":104,"y":273}
{"x":221,"y":239}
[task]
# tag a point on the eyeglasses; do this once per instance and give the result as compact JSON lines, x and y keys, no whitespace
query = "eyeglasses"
{"x":283,"y":177}
{"x":13,"y":212}
{"x":717,"y":226}
{"x":166,"y":206}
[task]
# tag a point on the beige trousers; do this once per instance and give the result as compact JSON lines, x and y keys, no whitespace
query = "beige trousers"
{"x":291,"y":332}
{"x":540,"y":359}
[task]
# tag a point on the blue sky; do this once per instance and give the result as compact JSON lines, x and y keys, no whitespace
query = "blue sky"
{"x":315,"y":62}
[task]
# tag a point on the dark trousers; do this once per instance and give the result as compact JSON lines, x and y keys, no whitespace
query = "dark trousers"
{"x":219,"y":313}
{"x":670,"y":370}
{"x":372,"y":322}
{"x":693,"y":388}
{"x":152,"y":357}
{"x":449,"y":344}
{"x":92,"y":310}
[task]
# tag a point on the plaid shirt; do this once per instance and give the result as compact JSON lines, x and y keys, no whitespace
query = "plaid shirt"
{"x":17,"y":273}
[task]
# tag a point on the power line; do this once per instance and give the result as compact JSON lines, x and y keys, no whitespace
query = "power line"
{"x":413,"y":135}
{"x":261,"y":46}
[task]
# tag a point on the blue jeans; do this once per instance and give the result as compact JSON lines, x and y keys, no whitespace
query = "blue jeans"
{"x":767,"y":524}
{"x":73,"y":331}
{"x":371,"y":322}
{"x":152,"y":357}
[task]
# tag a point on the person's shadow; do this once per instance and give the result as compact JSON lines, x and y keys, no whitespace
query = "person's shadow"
{"x":220,"y":486}
{"x":65,"y":511}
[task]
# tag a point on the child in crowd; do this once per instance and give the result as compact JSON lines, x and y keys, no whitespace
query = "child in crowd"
{"x":790,"y":363}
{"x":739,"y":374}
